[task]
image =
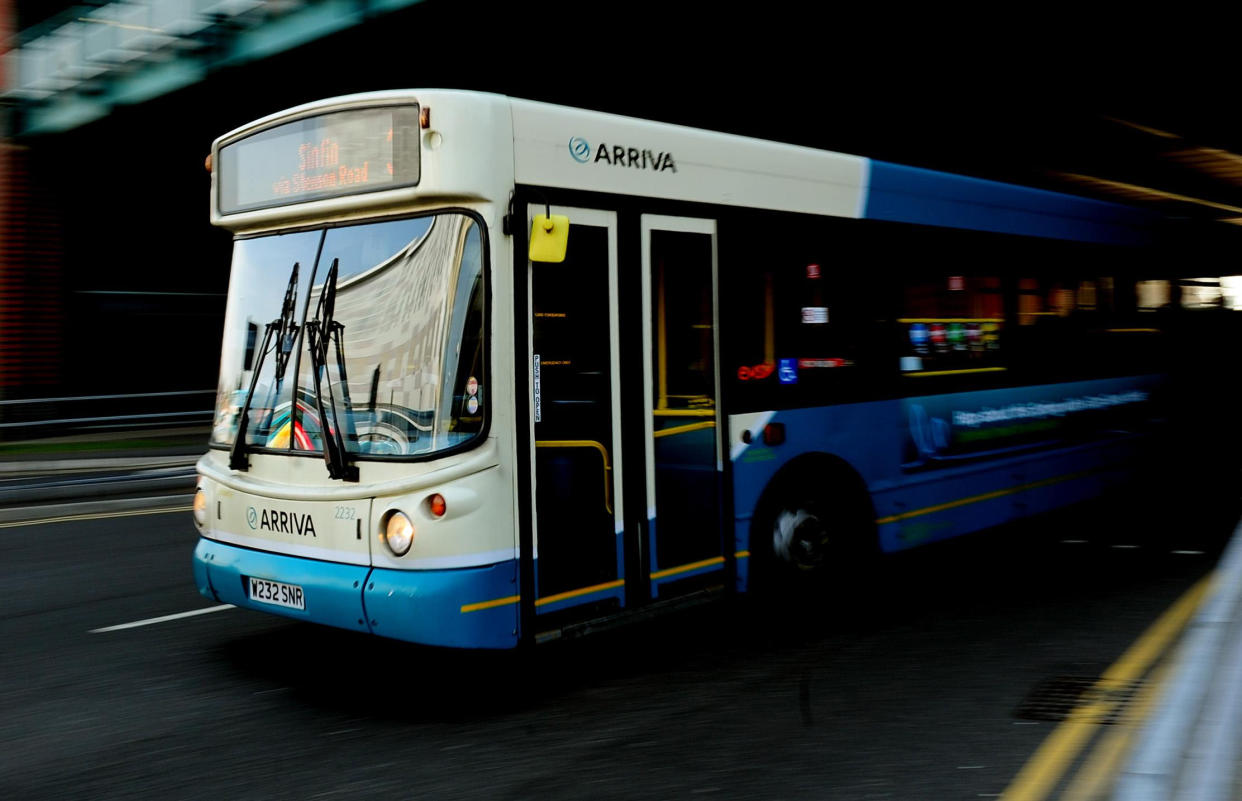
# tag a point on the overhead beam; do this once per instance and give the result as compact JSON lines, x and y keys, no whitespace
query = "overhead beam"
{"x":73,"y":108}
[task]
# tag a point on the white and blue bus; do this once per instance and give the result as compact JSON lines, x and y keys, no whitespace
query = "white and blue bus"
{"x":496,"y":371}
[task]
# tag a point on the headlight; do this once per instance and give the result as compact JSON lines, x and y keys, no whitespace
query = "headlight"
{"x":398,"y":533}
{"x":200,"y":507}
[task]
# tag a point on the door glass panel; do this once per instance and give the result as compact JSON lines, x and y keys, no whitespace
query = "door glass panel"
{"x":574,"y":457}
{"x":687,"y":525}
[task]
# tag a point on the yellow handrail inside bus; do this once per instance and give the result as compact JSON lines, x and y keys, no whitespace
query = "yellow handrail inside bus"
{"x":957,"y":372}
{"x":950,"y":319}
{"x":585,"y":443}
{"x":685,"y":429}
{"x":683,"y":413}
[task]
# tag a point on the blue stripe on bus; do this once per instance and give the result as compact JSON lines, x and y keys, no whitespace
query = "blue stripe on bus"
{"x":426,"y":606}
{"x":332,"y":591}
{"x":422,"y":606}
{"x":913,"y":195}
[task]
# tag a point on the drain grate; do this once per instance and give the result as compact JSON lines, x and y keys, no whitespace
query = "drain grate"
{"x":1053,"y":699}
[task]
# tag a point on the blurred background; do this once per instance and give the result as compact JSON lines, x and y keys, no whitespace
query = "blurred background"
{"x":112,"y":282}
{"x":938,"y":684}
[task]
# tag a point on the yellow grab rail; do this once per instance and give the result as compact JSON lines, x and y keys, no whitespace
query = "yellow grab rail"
{"x":685,"y":429}
{"x":585,"y":443}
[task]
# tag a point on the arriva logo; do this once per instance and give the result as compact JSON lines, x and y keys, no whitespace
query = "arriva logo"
{"x":580,"y":149}
{"x":621,"y":156}
{"x":281,"y":522}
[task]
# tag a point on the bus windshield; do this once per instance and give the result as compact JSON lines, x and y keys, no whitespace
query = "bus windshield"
{"x":403,"y":373}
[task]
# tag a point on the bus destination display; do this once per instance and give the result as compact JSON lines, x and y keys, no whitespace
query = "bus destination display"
{"x":330,"y":155}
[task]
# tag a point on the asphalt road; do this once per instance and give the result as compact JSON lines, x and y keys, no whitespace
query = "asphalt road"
{"x":914,"y":688}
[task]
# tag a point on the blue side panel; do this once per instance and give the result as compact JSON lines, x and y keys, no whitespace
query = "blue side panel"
{"x":935,"y":490}
{"x":913,"y":195}
{"x":942,"y":465}
{"x":864,"y":434}
{"x":426,"y":606}
{"x":201,"y":556}
{"x":652,"y":562}
{"x":743,"y":567}
{"x":333,"y":591}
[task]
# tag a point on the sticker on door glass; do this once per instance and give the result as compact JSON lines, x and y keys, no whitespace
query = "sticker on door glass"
{"x":538,"y":400}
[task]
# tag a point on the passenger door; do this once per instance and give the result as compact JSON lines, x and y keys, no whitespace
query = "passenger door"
{"x":577,"y":526}
{"x":685,"y":543}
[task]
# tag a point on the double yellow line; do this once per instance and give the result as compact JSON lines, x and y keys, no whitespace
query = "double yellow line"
{"x":1061,"y":749}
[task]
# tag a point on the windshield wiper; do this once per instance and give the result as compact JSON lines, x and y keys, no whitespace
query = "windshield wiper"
{"x":285,"y":332}
{"x":320,"y":333}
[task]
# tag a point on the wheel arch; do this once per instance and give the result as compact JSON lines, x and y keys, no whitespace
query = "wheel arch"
{"x":810,"y":472}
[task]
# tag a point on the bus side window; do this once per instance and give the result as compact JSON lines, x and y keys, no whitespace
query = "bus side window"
{"x":952,"y":324}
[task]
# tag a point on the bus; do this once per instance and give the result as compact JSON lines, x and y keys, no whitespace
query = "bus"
{"x":496,"y":371}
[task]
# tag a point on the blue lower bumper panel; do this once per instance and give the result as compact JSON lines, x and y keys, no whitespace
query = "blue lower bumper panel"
{"x":473,"y":607}
{"x":333,"y":592}
{"x":461,"y":608}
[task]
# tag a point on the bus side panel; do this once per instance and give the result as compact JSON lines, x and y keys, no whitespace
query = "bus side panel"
{"x":863,"y":434}
{"x":942,"y":465}
{"x":461,"y":608}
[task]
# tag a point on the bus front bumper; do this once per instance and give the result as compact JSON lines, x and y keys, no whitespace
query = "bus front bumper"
{"x":430,"y":607}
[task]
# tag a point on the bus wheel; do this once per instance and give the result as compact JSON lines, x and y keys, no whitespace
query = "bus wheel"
{"x":814,"y":533}
{"x":800,"y":539}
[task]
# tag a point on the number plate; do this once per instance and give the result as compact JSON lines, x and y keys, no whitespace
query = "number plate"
{"x":275,"y":593}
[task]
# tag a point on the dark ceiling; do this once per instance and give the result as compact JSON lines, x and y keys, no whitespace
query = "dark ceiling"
{"x":1135,"y":109}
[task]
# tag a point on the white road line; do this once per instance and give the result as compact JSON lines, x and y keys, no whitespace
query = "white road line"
{"x":163,"y":619}
{"x":1187,"y":553}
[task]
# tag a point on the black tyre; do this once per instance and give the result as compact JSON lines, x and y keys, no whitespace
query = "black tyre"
{"x":814,"y":530}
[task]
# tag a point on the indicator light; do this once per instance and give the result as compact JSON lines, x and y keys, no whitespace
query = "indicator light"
{"x":437,"y":505}
{"x":774,"y":434}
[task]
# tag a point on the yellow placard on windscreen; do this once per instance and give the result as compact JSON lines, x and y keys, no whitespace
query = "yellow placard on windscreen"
{"x":549,"y":238}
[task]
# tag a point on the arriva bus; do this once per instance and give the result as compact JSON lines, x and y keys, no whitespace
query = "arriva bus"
{"x":496,"y":371}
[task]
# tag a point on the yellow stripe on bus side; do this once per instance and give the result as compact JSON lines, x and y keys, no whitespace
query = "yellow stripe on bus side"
{"x":672,"y":571}
{"x":512,"y":599}
{"x":719,"y":560}
{"x":575,"y":593}
{"x":987,"y":496}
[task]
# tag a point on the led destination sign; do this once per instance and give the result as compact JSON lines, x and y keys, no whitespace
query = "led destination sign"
{"x":335,"y":154}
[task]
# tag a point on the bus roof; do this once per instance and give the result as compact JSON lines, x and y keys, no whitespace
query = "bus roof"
{"x":554,"y":146}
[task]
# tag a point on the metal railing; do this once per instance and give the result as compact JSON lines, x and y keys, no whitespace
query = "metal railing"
{"x":36,"y":417}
